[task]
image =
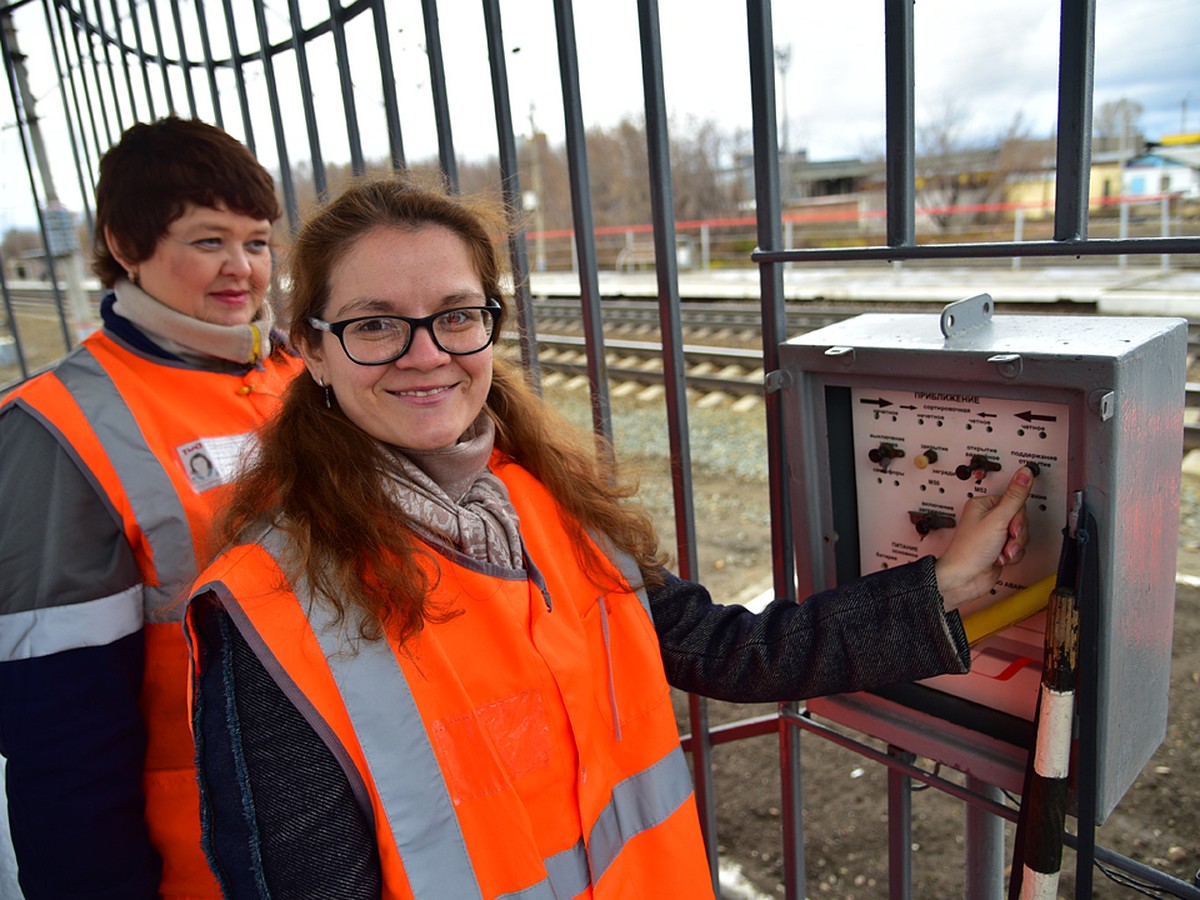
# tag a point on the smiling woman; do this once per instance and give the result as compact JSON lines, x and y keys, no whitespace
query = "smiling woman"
{"x":212,"y":264}
{"x":428,"y":396}
{"x":117,"y":459}
{"x":437,"y":650}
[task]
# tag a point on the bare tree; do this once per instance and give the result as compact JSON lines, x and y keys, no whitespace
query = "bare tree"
{"x":1115,"y":126}
{"x":941,"y":154}
{"x":954,"y":171}
{"x":620,"y":173}
{"x":698,"y":149}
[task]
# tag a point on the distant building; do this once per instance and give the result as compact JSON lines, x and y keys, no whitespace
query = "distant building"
{"x":979,"y":184}
{"x":1169,"y":167}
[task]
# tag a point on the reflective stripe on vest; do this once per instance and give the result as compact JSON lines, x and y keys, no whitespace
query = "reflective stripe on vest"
{"x":93,"y":623}
{"x":407,"y":775}
{"x":155,"y":502}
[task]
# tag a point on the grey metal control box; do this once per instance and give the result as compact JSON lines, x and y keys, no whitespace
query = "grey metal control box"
{"x":894,"y":420}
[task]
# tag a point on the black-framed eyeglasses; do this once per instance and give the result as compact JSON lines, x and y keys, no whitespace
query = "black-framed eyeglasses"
{"x":379,"y":340}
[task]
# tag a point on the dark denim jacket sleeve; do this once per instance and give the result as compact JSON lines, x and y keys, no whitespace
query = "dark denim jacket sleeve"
{"x":278,"y":815}
{"x":888,"y":627}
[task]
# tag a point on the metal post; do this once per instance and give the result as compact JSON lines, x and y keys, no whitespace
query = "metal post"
{"x":1166,"y":227}
{"x":338,"y":28}
{"x":441,"y":95}
{"x":901,"y":128}
{"x":310,"y":111}
{"x":1018,"y":233}
{"x":899,"y":788}
{"x":584,"y":244}
{"x":1123,"y":259}
{"x":290,"y":203}
{"x":518,"y":252}
{"x":1076,"y":49}
{"x":984,"y":845}
{"x":658,"y":154}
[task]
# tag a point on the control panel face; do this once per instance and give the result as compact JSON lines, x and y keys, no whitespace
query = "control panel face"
{"x":919,"y":456}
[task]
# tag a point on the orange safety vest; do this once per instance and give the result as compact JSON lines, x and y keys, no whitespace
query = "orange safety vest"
{"x":526,"y":747}
{"x":160,"y":440}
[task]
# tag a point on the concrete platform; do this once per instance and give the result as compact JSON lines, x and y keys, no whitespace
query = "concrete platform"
{"x":1109,"y":290}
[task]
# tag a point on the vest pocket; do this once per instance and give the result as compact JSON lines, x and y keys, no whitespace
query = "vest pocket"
{"x":515,"y":728}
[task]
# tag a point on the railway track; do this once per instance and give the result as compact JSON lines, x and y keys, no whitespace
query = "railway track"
{"x":732,"y":368}
{"x":728,"y":363}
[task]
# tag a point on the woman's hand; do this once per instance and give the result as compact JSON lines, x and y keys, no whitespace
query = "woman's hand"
{"x":992,"y":533}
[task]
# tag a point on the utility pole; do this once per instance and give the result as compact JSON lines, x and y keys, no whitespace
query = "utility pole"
{"x":533,"y":197}
{"x":783,"y":60}
{"x":62,"y":240}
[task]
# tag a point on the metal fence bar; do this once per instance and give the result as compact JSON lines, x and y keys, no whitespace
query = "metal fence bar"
{"x":899,"y":821}
{"x":156,"y":27}
{"x":1076,"y":50}
{"x":79,"y":83}
{"x":901,"y":128}
{"x":306,"y":98}
{"x":658,"y":153}
{"x":85,"y":29}
{"x":1004,"y":249}
{"x":141,"y":57}
{"x":357,"y":164}
{"x":581,"y":214}
{"x":268,"y":62}
{"x":117,"y":41}
{"x":75,"y":137}
{"x":14,"y":67}
{"x":185,"y":65}
{"x":441,"y":95}
{"x":107,"y":44}
{"x":803,"y":721}
{"x":22,"y":364}
{"x":238,"y":61}
{"x":210,"y":67}
{"x":770,"y":237}
{"x":391,"y":105}
{"x":510,"y":181}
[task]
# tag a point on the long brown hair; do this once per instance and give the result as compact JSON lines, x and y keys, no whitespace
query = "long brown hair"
{"x":322,"y":479}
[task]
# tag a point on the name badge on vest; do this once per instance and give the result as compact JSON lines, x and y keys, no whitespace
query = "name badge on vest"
{"x":209,"y":462}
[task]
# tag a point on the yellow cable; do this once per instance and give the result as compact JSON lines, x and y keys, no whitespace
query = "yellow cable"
{"x":996,"y":617}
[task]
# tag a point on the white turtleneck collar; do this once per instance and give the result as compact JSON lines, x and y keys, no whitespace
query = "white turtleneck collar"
{"x":185,"y":335}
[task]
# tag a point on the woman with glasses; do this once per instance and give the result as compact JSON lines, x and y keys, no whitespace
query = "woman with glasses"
{"x":434,"y":660}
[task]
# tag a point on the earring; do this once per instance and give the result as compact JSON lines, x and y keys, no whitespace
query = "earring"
{"x":133,"y":276}
{"x":328,"y":402}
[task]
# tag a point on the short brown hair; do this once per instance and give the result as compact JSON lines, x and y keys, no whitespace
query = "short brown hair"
{"x":148,"y":178}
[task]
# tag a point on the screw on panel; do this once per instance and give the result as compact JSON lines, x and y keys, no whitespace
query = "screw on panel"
{"x":1007,"y":364}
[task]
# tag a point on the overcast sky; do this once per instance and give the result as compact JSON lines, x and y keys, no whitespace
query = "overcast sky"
{"x":992,"y":61}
